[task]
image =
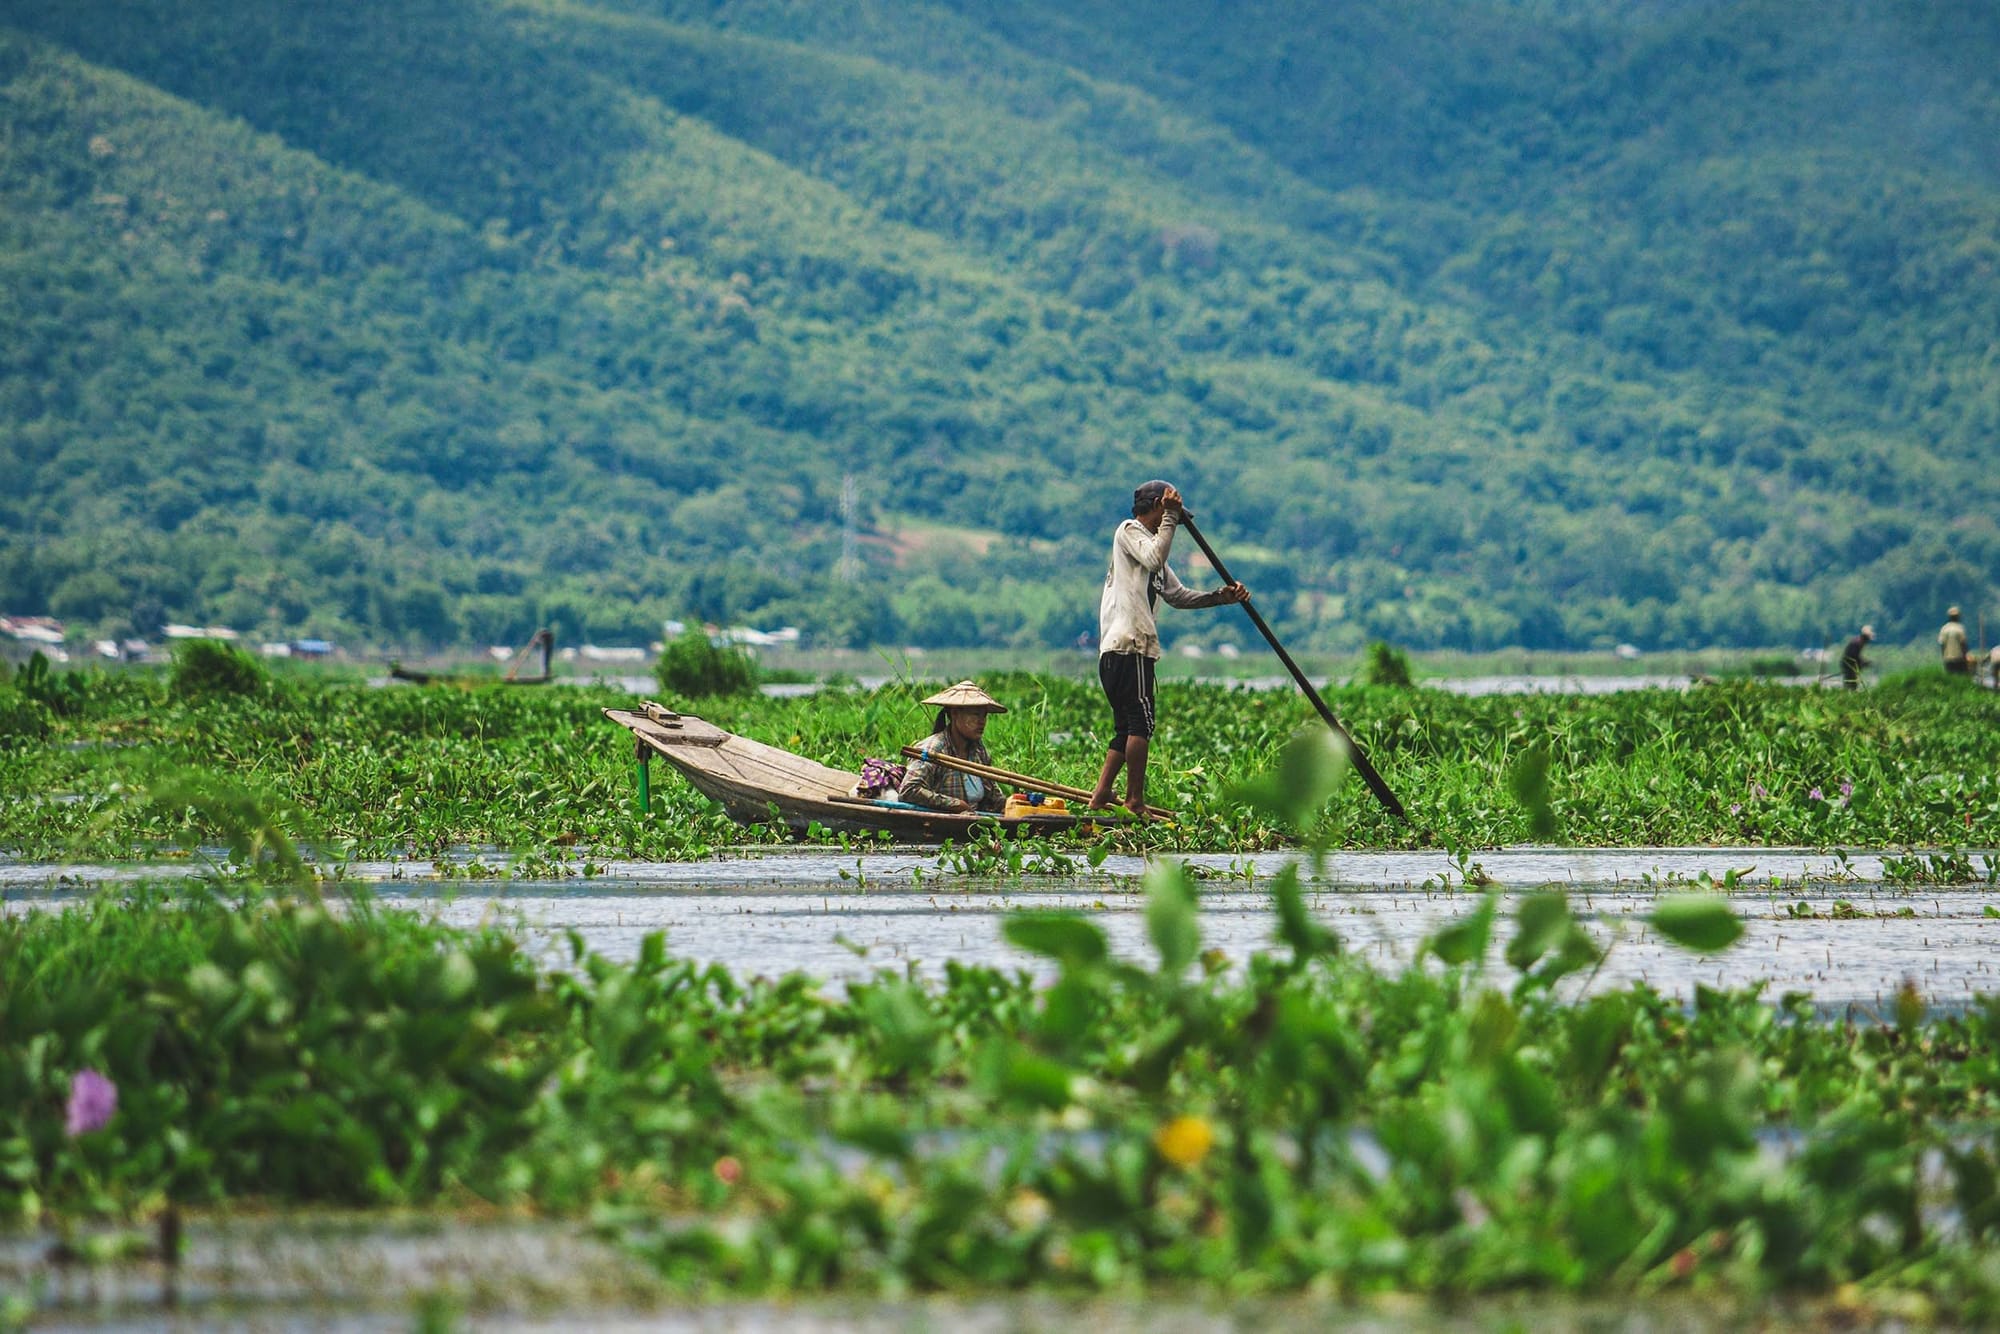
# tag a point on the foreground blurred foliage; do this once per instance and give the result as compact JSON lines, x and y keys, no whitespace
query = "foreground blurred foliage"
{"x":419,"y":771}
{"x":1304,"y":1123}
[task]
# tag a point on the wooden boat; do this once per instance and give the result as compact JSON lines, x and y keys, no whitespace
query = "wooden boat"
{"x":544,"y":639}
{"x":759,"y":784}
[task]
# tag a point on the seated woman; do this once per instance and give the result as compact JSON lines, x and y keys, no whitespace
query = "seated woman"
{"x":961,"y":722}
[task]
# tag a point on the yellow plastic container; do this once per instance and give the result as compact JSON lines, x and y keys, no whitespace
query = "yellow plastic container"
{"x":1018,"y":805}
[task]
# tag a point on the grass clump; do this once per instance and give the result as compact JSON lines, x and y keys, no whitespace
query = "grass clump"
{"x":1387,"y":666}
{"x":692,"y":667}
{"x":205,"y":669}
{"x":23,"y":719}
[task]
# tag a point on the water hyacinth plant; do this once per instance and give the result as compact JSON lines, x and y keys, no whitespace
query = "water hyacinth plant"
{"x":417,"y":772}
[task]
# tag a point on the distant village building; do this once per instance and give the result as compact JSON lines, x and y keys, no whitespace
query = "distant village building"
{"x":743,"y":634}
{"x":597,"y":653}
{"x":33,"y":629}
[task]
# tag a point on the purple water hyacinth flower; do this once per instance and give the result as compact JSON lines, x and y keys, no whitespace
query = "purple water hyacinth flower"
{"x":92,"y":1100}
{"x":1736,"y":808}
{"x":1815,"y":795}
{"x":1759,"y":791}
{"x":1846,"y":791}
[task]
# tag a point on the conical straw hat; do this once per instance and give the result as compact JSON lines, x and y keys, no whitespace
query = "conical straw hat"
{"x":966,"y":695}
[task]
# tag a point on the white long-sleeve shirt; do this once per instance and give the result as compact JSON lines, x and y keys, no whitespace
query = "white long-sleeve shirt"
{"x":1139,"y":575}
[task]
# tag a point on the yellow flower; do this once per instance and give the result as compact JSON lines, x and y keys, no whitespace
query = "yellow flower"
{"x":1185,"y":1140}
{"x":1028,"y":1210}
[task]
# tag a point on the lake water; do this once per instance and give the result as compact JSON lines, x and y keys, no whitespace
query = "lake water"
{"x":647,"y":686}
{"x":840,"y":916}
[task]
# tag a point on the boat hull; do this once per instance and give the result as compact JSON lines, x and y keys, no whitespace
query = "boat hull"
{"x":759,"y":784}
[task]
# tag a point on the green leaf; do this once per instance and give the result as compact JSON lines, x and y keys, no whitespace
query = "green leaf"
{"x":1065,"y":937}
{"x":1464,"y":941}
{"x":1528,"y":781}
{"x":1698,"y":922}
{"x":1172,"y":918}
{"x":1014,"y":1074}
{"x":1296,"y":927}
{"x":1310,"y":770}
{"x":904,"y":1026}
{"x":1540,"y":923}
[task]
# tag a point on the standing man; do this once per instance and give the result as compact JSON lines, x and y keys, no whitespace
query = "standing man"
{"x":1129,"y":640}
{"x":1851,"y":661}
{"x":1951,"y":642}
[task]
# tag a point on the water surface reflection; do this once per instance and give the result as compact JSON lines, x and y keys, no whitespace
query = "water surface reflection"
{"x":841,"y":916}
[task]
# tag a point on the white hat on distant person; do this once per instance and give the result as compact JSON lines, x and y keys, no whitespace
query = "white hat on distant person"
{"x":1867,"y":632}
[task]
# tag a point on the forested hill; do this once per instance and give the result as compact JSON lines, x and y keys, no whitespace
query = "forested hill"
{"x":1462,"y":322}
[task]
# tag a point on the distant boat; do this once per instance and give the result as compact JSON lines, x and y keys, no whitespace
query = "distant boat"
{"x":544,"y":639}
{"x":757,"y":783}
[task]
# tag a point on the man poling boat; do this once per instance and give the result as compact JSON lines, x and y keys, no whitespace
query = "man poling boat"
{"x":1128,"y":640}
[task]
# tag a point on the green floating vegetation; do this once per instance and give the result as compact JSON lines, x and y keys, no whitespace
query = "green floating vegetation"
{"x":93,"y":762}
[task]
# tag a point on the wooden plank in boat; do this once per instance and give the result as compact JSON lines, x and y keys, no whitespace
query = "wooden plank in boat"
{"x":684,"y":731}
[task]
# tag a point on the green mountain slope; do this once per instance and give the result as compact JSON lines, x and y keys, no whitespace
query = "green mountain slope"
{"x":1470,"y":322}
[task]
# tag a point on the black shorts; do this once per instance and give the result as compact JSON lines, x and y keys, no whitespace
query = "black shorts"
{"x":1127,"y":679}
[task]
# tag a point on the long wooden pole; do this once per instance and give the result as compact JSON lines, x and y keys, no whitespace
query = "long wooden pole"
{"x":1354,"y":755}
{"x":1028,"y":781}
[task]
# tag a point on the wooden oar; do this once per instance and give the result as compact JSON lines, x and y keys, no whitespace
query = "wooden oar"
{"x":1354,"y":755}
{"x":1081,"y":817}
{"x":1027,"y":781}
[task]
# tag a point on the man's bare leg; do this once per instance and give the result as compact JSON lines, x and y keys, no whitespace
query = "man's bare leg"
{"x":1135,"y":774}
{"x":1100,"y":800}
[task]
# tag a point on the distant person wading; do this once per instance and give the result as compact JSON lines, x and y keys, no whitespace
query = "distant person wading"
{"x":1951,"y":643}
{"x":1129,"y":639}
{"x":1851,"y":661}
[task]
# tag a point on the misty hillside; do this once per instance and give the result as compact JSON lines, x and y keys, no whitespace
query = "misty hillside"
{"x":1462,"y":322}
